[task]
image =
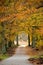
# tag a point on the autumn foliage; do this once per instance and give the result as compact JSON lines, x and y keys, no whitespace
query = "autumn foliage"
{"x":21,"y":15}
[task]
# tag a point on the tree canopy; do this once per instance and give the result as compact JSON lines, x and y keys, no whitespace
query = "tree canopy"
{"x":20,"y":15}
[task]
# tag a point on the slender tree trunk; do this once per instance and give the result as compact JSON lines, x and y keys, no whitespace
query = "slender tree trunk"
{"x":33,"y":38}
{"x":17,"y":40}
{"x":33,"y":42}
{"x":3,"y":43}
{"x":28,"y":40}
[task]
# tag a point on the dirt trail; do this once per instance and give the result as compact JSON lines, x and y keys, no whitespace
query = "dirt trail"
{"x":20,"y":58}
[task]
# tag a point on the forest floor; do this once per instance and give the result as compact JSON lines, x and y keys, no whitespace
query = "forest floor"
{"x":10,"y":52}
{"x":36,"y":55}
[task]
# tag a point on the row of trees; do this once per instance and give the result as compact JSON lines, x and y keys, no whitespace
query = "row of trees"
{"x":21,"y":15}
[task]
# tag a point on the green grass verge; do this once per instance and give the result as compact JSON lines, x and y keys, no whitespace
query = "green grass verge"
{"x":3,"y":56}
{"x":37,"y":56}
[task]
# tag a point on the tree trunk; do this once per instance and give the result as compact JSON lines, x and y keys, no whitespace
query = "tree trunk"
{"x":33,"y":42}
{"x":17,"y":40}
{"x":34,"y":37}
{"x":28,"y":40}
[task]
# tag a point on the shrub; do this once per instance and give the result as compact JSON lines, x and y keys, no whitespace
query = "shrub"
{"x":39,"y":44}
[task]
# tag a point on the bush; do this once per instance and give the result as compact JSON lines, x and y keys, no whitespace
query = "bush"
{"x":39,"y":44}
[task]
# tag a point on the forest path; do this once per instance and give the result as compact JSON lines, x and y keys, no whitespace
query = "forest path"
{"x":20,"y":58}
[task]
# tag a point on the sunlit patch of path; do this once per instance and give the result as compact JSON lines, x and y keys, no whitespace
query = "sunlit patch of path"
{"x":20,"y":58}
